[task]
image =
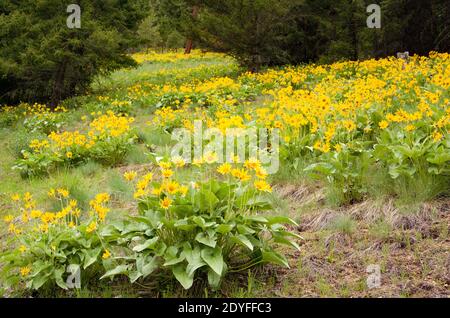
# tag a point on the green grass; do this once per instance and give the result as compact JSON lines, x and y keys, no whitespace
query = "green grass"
{"x":343,"y":224}
{"x":167,"y":72}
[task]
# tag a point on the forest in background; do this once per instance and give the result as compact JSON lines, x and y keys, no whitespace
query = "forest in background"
{"x":44,"y":60}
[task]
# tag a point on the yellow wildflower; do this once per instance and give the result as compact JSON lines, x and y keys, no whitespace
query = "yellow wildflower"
{"x":106,"y":254}
{"x":24,"y":271}
{"x":91,"y":227}
{"x":224,"y":169}
{"x":8,"y":218}
{"x":383,"y":124}
{"x":167,"y":173}
{"x":63,"y":192}
{"x":165,"y":203}
{"x":262,"y":185}
{"x":130,"y":175}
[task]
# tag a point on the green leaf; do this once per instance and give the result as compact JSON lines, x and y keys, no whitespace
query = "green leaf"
{"x":213,"y":279}
{"x":194,"y":258}
{"x":322,"y":167}
{"x":39,"y":266}
{"x":147,"y":244}
{"x":58,"y":278}
{"x":150,"y":266}
{"x":134,"y":276}
{"x":90,"y":256}
{"x":439,"y":158}
{"x":275,"y":258}
{"x":281,"y":219}
{"x":224,"y":228}
{"x":199,"y":221}
{"x":243,"y":229}
{"x":171,"y":257}
{"x":213,"y":257}
{"x":243,"y":240}
{"x":121,"y":269}
{"x":39,"y":280}
{"x":205,"y":200}
{"x":259,"y":202}
{"x":283,"y":240}
{"x":206,"y":239}
{"x":182,"y":276}
{"x":184,"y":225}
{"x":256,"y":218}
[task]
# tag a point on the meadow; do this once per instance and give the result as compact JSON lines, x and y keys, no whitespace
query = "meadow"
{"x":363,"y":182}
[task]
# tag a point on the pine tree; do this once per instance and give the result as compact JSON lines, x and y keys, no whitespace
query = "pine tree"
{"x":44,"y":60}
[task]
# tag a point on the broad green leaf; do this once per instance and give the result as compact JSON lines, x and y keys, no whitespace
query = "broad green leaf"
{"x":171,"y":256}
{"x":259,"y":202}
{"x":39,"y":280}
{"x":206,"y":239}
{"x":213,"y":279}
{"x":283,"y":240}
{"x":39,"y":266}
{"x":199,"y":221}
{"x":150,"y":266}
{"x":90,"y":256}
{"x":194,"y":258}
{"x":58,"y":278}
{"x":205,"y":200}
{"x":134,"y":276}
{"x":186,"y":280}
{"x":121,"y":269}
{"x":224,"y":228}
{"x":184,"y":225}
{"x":439,"y":158}
{"x":242,"y":240}
{"x":213,"y":257}
{"x":147,"y":244}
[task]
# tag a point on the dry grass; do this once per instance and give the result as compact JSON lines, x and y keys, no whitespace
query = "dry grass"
{"x":413,"y":251}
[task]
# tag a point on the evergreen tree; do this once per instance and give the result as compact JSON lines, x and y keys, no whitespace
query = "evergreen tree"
{"x":149,"y":31}
{"x":41,"y":59}
{"x":255,"y":32}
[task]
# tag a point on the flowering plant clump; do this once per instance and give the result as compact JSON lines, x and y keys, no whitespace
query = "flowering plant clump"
{"x":171,"y":57}
{"x":205,"y":227}
{"x":37,"y":117}
{"x":107,"y":141}
{"x":391,"y":117}
{"x":47,"y":245}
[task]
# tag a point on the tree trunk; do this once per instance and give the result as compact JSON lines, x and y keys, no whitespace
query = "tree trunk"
{"x":58,"y":86}
{"x":189,"y":41}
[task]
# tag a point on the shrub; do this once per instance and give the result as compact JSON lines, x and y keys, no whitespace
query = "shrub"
{"x":49,"y":244}
{"x":201,"y":229}
{"x":188,"y":230}
{"x":107,"y":141}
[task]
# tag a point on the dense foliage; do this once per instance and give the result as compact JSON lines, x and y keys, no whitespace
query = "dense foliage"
{"x":266,"y":32}
{"x":41,"y":59}
{"x":366,"y":129}
{"x":185,"y":229}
